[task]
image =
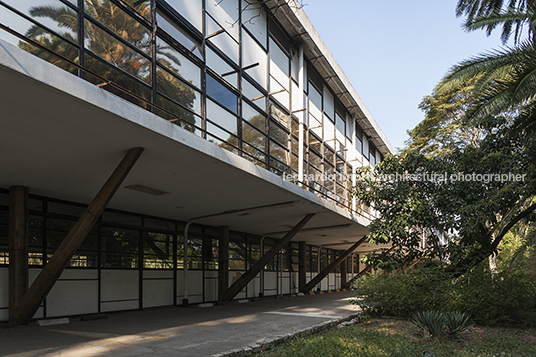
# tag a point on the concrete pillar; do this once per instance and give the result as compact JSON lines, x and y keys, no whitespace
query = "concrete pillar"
{"x":18,"y":246}
{"x":223,"y":261}
{"x":302,"y":267}
{"x":344,"y":271}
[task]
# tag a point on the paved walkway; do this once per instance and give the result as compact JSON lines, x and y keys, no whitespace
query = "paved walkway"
{"x":177,"y":331}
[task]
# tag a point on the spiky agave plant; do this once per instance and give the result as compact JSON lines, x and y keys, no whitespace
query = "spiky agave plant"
{"x":431,"y":324}
{"x":456,"y":322}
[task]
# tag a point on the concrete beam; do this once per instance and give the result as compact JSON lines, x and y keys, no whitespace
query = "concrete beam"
{"x":234,"y":289}
{"x":223,"y":261}
{"x":311,"y":284}
{"x":18,"y":246}
{"x":52,"y":270}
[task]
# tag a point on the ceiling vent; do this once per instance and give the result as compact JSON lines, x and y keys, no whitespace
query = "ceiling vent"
{"x":147,"y":189}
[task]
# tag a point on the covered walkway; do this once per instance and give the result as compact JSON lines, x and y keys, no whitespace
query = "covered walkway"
{"x":178,"y":331}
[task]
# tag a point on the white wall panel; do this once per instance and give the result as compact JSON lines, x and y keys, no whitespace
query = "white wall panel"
{"x":157,"y":292}
{"x":73,"y":297}
{"x":4,"y":287}
{"x":119,"y":285}
{"x":158,"y":274}
{"x":254,"y":287}
{"x":32,"y":274}
{"x":211,"y":289}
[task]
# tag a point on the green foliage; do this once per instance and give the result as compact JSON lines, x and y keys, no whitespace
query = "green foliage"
{"x":436,"y":324}
{"x":456,"y":322}
{"x":431,"y":324}
{"x":508,"y":296}
{"x":505,"y":297}
{"x":405,"y":293}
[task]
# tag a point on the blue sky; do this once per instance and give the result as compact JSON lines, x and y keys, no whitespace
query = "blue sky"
{"x":395,"y":52}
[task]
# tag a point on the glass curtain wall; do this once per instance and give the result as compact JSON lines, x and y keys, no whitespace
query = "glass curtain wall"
{"x":223,"y":69}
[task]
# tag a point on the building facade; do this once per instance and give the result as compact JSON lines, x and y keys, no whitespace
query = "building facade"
{"x":247,"y":126}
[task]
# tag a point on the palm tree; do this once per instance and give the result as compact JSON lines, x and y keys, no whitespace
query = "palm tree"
{"x":506,"y":84}
{"x":513,"y":15}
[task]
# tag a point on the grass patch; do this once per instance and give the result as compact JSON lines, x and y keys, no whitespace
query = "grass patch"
{"x":383,"y":337}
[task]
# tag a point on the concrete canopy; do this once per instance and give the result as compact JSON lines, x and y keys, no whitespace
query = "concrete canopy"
{"x":62,"y":136}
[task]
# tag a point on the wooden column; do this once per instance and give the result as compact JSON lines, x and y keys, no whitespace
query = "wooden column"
{"x":302,"y":266}
{"x":223,"y":261}
{"x":234,"y":289}
{"x":18,"y":246}
{"x":311,"y":284}
{"x":52,"y":271}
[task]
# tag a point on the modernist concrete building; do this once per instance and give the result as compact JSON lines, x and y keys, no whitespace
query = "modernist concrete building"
{"x":222,"y":135}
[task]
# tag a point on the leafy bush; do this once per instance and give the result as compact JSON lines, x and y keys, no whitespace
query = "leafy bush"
{"x":507,"y":296}
{"x":405,"y":293}
{"x":435,"y":324}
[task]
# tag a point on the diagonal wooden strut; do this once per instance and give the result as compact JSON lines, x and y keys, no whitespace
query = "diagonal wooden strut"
{"x":234,"y":289}
{"x":311,"y":284}
{"x":44,"y":282}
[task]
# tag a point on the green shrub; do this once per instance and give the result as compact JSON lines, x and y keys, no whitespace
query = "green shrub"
{"x":405,"y":293}
{"x":507,"y":296}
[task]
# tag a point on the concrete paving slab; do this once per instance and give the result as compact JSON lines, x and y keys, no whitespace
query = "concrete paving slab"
{"x":177,"y":331}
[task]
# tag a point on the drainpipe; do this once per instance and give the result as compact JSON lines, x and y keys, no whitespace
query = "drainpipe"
{"x":219,"y":215}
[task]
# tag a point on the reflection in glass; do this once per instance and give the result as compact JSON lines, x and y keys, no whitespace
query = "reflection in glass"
{"x":178,"y":111}
{"x":279,"y":115}
{"x":116,"y":52}
{"x":254,"y":117}
{"x":253,"y":137}
{"x":119,"y":22}
{"x":177,"y":90}
{"x":255,"y":155}
{"x":222,"y":40}
{"x":253,"y":55}
{"x":278,"y":134}
{"x":42,"y":36}
{"x":253,"y":94}
{"x":254,"y":18}
{"x":113,"y":74}
{"x":191,"y":10}
{"x":221,"y":94}
{"x":225,"y":12}
{"x":221,"y":117}
{"x":218,"y":65}
{"x":278,"y":152}
{"x":53,"y":14}
{"x":178,"y":33}
{"x":177,"y":63}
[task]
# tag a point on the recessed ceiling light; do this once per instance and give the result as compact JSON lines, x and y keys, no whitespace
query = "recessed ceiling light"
{"x":147,"y":189}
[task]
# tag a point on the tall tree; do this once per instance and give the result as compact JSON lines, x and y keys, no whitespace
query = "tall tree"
{"x":513,"y":15}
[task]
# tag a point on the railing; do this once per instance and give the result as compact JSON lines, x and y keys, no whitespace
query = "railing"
{"x":174,"y":118}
